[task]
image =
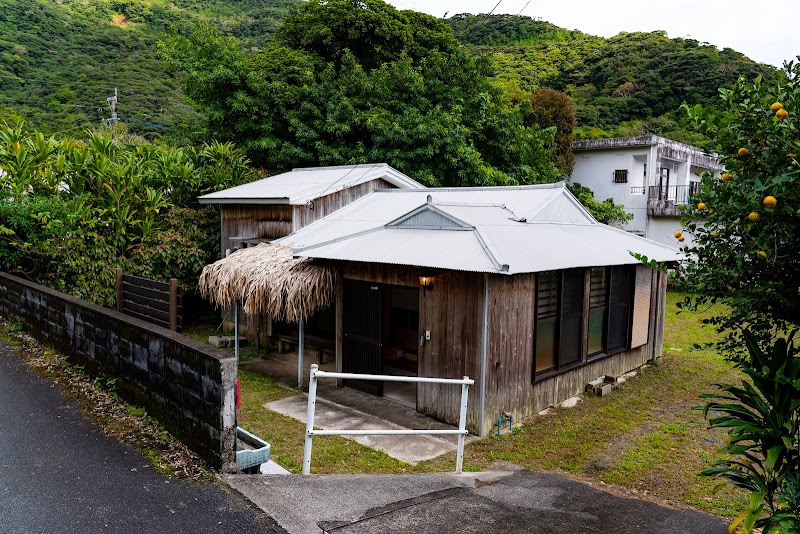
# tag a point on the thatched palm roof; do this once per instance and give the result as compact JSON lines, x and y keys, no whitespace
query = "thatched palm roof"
{"x":268,"y":280}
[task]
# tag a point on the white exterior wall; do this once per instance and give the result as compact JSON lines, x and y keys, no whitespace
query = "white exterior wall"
{"x":662,"y":230}
{"x":596,"y":161}
{"x":595,"y":170}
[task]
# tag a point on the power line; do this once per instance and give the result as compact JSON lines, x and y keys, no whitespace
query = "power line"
{"x":524,"y":7}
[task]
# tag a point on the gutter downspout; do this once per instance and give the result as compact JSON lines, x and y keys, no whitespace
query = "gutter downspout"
{"x":484,"y":335}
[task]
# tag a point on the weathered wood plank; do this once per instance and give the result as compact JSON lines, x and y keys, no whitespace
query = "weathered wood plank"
{"x":156,"y":304}
{"x":130,"y":288}
{"x":147,"y":311}
{"x":305,"y":215}
{"x":145,"y":282}
{"x":148,"y":318}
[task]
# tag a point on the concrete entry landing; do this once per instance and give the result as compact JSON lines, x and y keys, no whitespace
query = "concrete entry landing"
{"x":345,"y":408}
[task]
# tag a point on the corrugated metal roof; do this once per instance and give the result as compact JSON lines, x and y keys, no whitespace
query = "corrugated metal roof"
{"x":304,"y":184}
{"x":504,"y":229}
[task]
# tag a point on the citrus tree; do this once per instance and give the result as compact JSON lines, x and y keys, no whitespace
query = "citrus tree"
{"x":746,"y":223}
{"x":746,"y":253}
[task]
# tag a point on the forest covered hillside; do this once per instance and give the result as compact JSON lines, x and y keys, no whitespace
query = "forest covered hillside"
{"x":59,"y":61}
{"x":629,"y":84}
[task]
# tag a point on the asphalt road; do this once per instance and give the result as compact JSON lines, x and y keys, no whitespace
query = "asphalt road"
{"x":60,"y":474}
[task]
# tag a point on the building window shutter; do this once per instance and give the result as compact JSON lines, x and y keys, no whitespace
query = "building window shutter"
{"x":546,"y":321}
{"x":598,"y":310}
{"x":621,"y":176}
{"x":641,"y":306}
{"x":619,"y":300}
{"x":571,"y":328}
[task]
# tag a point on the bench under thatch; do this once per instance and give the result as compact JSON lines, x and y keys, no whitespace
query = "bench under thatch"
{"x":267,"y":279}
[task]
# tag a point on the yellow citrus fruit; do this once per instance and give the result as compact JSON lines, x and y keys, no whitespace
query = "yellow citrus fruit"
{"x":677,"y":234}
{"x":743,"y":152}
{"x":793,"y":156}
{"x":726,"y":177}
{"x":770,"y":201}
{"x":776,"y":106}
{"x":762,"y":254}
{"x":681,"y":238}
{"x":701,"y":206}
{"x":714,"y":234}
{"x":754,"y":216}
{"x":781,"y":113}
{"x":16,"y":145}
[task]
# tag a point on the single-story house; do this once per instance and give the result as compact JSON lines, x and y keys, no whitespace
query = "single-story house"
{"x":273,"y":207}
{"x":519,"y":288}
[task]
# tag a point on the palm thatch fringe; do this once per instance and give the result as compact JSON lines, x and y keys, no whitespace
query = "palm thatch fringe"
{"x":268,"y":280}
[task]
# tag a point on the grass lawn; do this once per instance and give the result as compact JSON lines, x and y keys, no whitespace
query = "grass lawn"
{"x":644,"y":437}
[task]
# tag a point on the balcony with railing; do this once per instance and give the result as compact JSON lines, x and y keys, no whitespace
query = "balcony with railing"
{"x":666,"y":200}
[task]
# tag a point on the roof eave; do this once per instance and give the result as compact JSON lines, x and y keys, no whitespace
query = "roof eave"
{"x":207,"y":200}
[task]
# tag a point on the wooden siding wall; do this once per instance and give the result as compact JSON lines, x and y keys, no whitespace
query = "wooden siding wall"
{"x":274,"y":221}
{"x":510,"y":351}
{"x":304,"y":215}
{"x":452,"y":312}
{"x":509,"y":345}
{"x":265,"y":220}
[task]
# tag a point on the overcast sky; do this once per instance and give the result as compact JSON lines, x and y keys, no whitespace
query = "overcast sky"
{"x":767,"y":31}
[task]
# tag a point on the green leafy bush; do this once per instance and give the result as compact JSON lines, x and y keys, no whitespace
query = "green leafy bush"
{"x":72,"y":211}
{"x":762,"y":416}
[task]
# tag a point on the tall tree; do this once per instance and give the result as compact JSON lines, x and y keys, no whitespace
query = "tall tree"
{"x":353,"y":82}
{"x":550,"y":108}
{"x":746,"y":223}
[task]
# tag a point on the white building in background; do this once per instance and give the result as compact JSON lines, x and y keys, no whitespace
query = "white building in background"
{"x":650,"y":175}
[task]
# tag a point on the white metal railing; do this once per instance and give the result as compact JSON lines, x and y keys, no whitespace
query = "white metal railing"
{"x":465,"y":383}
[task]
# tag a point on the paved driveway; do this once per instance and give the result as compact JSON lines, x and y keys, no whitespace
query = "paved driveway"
{"x":59,"y":473}
{"x":488,"y":502}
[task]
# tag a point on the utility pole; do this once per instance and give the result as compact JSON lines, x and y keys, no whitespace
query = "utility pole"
{"x":112,"y":102}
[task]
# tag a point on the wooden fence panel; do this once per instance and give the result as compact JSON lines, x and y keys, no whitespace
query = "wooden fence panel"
{"x":156,"y":302}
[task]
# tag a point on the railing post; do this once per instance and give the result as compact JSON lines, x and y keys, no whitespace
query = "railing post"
{"x":120,"y":306}
{"x":236,"y":330}
{"x":312,"y":400}
{"x":462,"y":426}
{"x":301,"y":341}
{"x":173,"y":304}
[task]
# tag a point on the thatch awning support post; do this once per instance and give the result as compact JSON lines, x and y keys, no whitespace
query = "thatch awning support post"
{"x":301,"y":332}
{"x":236,"y":330}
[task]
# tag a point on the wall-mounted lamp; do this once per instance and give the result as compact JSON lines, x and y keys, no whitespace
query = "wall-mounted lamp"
{"x":426,"y":281}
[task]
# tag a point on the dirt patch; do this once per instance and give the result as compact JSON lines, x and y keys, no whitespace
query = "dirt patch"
{"x":119,"y":20}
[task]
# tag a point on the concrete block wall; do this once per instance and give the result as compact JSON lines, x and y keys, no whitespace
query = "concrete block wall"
{"x":188,"y":386}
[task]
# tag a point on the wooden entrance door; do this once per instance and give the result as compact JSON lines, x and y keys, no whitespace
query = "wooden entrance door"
{"x":363,"y":335}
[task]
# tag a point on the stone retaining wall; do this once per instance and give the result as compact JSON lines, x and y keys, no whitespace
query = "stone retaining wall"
{"x":188,"y":386}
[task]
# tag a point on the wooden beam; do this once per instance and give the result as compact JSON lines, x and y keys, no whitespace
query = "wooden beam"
{"x":119,"y":275}
{"x":173,"y":304}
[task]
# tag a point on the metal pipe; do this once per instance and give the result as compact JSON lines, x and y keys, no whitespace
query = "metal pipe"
{"x":301,"y":331}
{"x":462,"y":427}
{"x":312,"y":401}
{"x":236,"y":330}
{"x":388,"y":432}
{"x":484,"y":334}
{"x":390,"y":378}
